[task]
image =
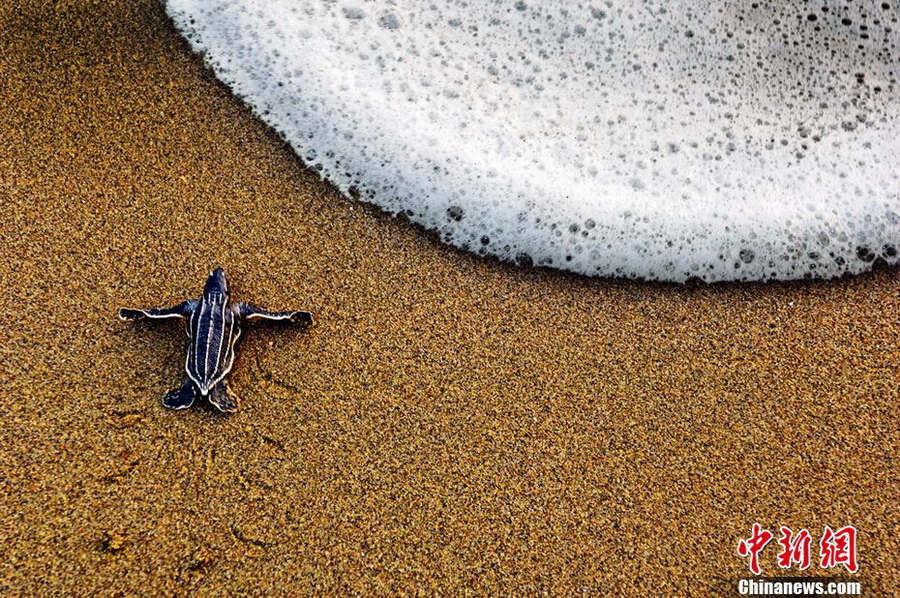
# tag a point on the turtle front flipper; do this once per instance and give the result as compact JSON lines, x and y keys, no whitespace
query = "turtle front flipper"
{"x":181,"y":397}
{"x":222,"y":398}
{"x":182,"y":310}
{"x":251,"y":312}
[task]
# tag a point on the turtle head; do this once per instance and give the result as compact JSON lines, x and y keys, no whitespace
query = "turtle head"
{"x":216,"y":283}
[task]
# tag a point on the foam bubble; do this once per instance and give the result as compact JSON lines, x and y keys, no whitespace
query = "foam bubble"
{"x":730,"y":140}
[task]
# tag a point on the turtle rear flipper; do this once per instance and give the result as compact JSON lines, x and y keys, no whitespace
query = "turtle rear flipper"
{"x":181,"y":397}
{"x":222,"y":398}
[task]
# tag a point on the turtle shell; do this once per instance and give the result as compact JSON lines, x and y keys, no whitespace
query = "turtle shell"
{"x":214,"y":329}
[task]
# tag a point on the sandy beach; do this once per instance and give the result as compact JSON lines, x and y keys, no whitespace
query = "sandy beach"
{"x":450,"y":425}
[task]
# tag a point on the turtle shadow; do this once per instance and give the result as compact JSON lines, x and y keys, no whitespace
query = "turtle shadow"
{"x":202,"y":405}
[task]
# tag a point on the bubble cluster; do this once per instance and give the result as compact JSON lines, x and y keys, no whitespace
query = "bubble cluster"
{"x":728,"y":140}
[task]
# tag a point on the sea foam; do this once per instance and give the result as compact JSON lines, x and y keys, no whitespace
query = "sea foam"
{"x":670,"y":140}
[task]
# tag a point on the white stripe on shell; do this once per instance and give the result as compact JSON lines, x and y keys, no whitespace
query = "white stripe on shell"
{"x":218,"y":355}
{"x":227,"y":368}
{"x":195,"y":338}
{"x":209,"y":329}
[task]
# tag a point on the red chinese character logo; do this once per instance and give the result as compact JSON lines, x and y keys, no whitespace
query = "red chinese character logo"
{"x":794,"y":549}
{"x":752,"y":546}
{"x":839,"y":548}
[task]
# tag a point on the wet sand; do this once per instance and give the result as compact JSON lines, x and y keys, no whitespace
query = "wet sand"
{"x":449,"y":424}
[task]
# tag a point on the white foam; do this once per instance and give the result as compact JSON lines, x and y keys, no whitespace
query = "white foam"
{"x":657,"y":139}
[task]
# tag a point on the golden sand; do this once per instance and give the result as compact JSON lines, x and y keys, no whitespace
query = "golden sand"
{"x":450,"y":424}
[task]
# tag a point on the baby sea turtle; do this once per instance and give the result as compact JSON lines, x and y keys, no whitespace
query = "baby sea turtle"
{"x":214,"y":326}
